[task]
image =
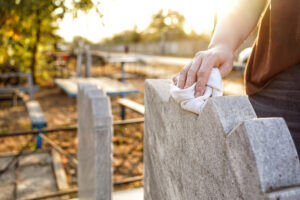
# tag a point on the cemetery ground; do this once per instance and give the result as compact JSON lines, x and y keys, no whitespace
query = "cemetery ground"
{"x":60,"y":111}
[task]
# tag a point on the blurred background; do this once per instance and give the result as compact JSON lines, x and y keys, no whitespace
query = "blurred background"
{"x":48,"y":46}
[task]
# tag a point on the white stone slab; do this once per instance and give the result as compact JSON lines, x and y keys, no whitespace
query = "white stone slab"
{"x":7,"y":180}
{"x":133,"y":194}
{"x":222,"y":154}
{"x":35,"y":176}
{"x":110,"y":86}
{"x":94,"y":144}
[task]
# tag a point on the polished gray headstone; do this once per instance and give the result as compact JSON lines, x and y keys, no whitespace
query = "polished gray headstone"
{"x":94,"y":143}
{"x":224,"y":153}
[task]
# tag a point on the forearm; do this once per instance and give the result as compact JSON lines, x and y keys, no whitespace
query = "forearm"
{"x":237,"y":24}
{"x":230,"y":32}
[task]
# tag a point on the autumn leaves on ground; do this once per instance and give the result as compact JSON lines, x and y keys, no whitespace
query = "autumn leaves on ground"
{"x":60,"y":111}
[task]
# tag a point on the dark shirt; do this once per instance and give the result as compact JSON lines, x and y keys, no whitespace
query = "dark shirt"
{"x":277,"y":46}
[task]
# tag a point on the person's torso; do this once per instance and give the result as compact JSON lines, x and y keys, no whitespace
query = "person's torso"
{"x":277,"y":46}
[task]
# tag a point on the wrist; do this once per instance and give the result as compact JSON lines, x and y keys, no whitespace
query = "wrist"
{"x":222,"y":46}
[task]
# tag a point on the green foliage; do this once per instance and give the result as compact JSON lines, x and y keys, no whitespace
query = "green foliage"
{"x":28,"y":29}
{"x":169,"y":26}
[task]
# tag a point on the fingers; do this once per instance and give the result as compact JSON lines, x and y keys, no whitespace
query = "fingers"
{"x":199,"y":69}
{"x":203,"y":75}
{"x":226,"y":68}
{"x":183,"y":75}
{"x":175,"y":79}
{"x":192,"y":73}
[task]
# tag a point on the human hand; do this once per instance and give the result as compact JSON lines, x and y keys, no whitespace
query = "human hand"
{"x":198,"y":70}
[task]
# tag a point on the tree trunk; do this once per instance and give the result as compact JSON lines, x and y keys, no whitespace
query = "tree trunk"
{"x":35,"y":47}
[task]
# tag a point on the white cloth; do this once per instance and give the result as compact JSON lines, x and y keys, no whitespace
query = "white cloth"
{"x":186,"y":97}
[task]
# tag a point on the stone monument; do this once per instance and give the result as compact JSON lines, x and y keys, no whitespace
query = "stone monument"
{"x":224,"y":153}
{"x":94,"y":144}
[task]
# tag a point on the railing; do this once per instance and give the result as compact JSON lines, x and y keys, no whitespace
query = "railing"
{"x":29,"y":88}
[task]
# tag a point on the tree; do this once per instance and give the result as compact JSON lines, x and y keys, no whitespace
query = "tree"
{"x":166,"y":26}
{"x":26,"y":25}
{"x":128,"y":36}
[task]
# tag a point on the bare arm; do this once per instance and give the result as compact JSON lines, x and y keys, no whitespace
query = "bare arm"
{"x":230,"y":32}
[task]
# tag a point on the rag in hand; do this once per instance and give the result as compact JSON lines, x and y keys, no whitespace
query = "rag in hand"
{"x":186,"y":97}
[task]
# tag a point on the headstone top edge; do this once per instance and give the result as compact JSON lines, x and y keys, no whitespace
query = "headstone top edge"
{"x":161,"y":88}
{"x":233,"y":110}
{"x":277,"y":120}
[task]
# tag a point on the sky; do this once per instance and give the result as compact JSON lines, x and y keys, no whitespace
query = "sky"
{"x":120,"y":15}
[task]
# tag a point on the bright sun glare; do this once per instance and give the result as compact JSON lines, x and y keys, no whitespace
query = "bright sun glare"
{"x":120,"y":15}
